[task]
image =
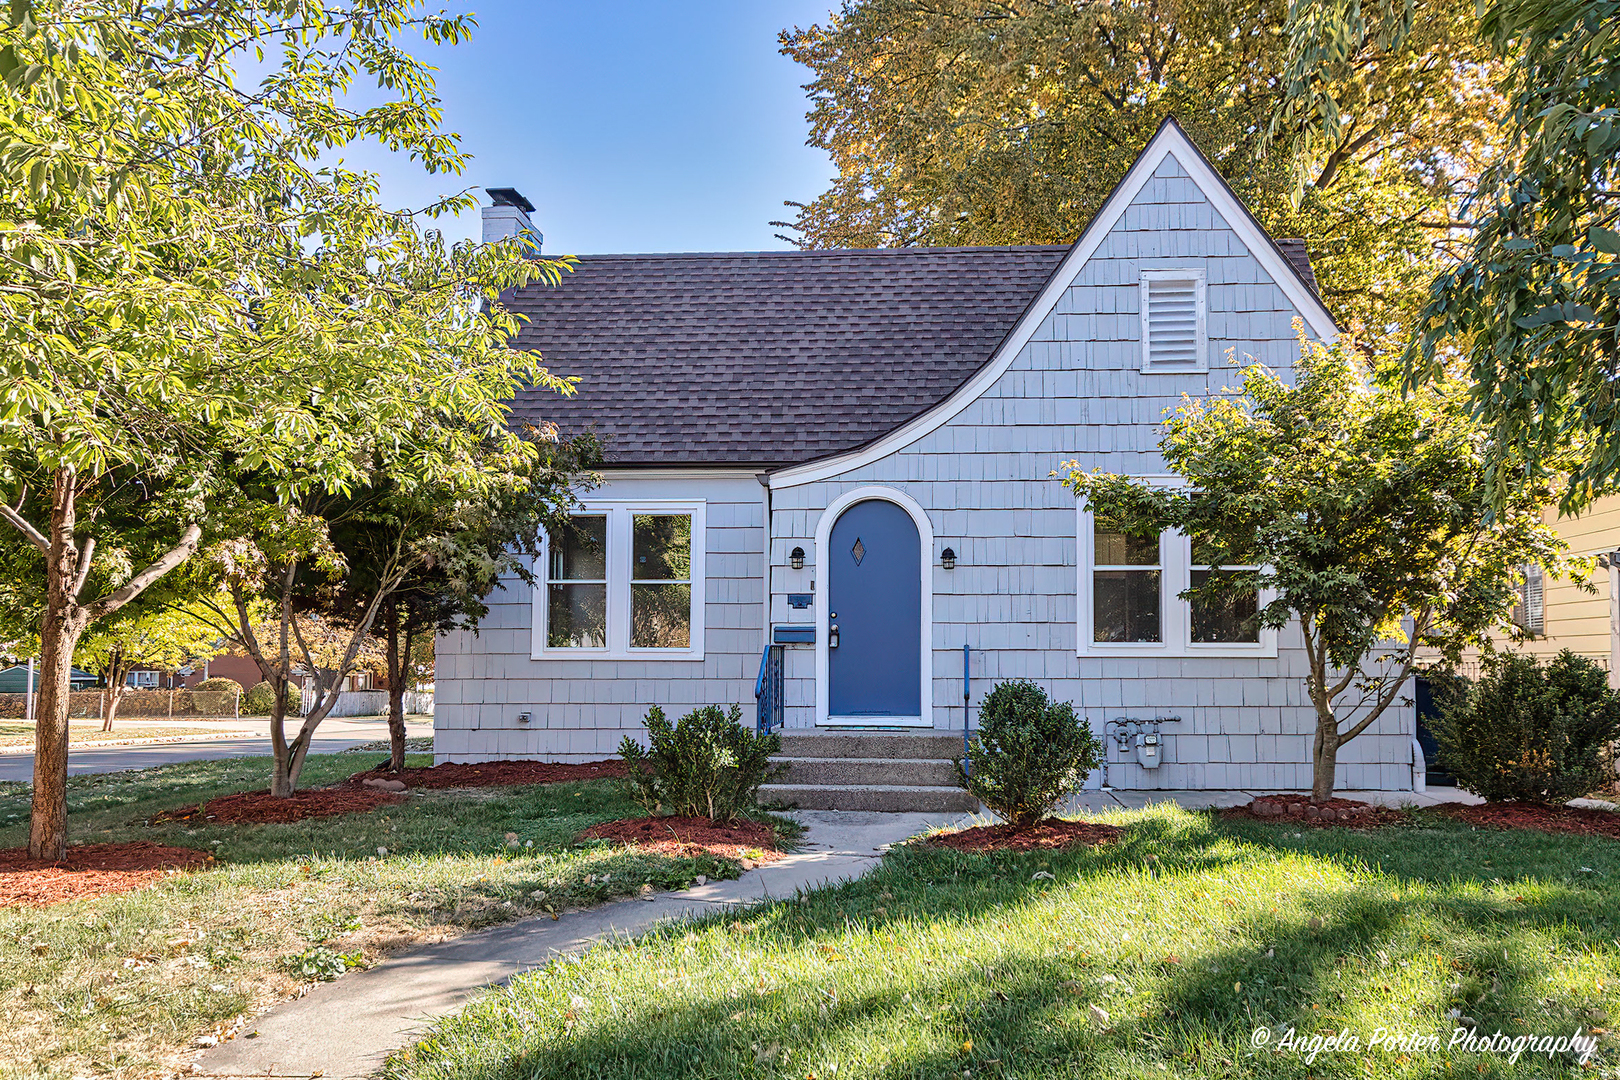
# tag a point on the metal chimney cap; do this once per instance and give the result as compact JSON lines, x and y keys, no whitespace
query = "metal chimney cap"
{"x":505,"y":196}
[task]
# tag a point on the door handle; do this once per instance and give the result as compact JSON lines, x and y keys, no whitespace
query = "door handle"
{"x":832,"y":636}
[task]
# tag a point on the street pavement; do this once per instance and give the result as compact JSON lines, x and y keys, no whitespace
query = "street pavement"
{"x":333,"y":735}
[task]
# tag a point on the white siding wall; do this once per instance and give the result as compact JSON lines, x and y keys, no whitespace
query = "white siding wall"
{"x":582,"y":708}
{"x":1077,"y":392}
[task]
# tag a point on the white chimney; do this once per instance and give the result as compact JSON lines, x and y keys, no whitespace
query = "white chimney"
{"x":508,"y":215}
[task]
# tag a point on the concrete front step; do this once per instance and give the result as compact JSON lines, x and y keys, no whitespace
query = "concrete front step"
{"x":828,"y":743}
{"x":864,"y":771}
{"x":885,"y":798}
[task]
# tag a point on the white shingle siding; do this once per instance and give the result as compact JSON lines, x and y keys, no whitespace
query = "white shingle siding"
{"x":1076,"y":390}
{"x":581,"y":709}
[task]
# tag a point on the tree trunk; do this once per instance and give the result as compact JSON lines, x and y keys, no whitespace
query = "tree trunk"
{"x":59,"y":634}
{"x":396,"y":690}
{"x":64,"y":621}
{"x":115,"y":697}
{"x":283,"y":776}
{"x":116,"y":670}
{"x":1324,"y":758}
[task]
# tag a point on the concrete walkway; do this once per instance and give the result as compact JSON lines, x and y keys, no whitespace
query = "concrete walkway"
{"x":334,"y":734}
{"x":348,"y":1027}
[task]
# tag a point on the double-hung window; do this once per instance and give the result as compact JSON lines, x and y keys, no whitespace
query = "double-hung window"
{"x":1232,"y":618}
{"x":1127,"y":596}
{"x":624,"y":579}
{"x":1130,"y":601}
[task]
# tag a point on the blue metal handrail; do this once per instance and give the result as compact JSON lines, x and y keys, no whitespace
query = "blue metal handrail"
{"x":768,"y":688}
{"x":967,"y":692}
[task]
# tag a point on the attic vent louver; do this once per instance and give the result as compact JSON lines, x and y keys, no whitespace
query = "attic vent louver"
{"x":1173,"y":321}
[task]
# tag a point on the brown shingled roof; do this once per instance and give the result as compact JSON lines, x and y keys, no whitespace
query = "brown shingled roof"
{"x":768,"y":358}
{"x":765,"y":359}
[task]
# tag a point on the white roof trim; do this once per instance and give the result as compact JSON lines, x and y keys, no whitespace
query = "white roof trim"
{"x":1171,"y":141}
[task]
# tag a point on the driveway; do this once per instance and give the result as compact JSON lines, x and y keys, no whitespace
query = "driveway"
{"x":331,"y":736}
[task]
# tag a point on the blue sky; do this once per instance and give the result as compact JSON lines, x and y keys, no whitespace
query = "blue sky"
{"x":631,"y":125}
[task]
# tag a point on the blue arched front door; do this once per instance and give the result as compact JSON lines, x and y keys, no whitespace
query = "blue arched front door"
{"x":874,"y":598}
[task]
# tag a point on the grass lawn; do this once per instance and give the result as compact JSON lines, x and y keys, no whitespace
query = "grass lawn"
{"x":17,"y":733}
{"x":122,"y":985}
{"x":1189,"y":935}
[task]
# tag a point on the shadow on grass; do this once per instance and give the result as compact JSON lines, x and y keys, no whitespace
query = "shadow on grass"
{"x":941,"y":962}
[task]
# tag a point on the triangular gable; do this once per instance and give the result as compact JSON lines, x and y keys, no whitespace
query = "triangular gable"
{"x":1171,"y":141}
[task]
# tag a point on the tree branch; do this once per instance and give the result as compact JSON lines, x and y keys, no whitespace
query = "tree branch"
{"x":86,"y":555}
{"x":137,"y":584}
{"x":35,"y":537}
{"x":1387,"y":694}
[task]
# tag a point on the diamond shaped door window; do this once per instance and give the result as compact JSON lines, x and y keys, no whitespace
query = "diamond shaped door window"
{"x":859,"y":551}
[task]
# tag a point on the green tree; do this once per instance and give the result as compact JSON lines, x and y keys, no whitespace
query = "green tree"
{"x":307,"y":583}
{"x":160,"y":637}
{"x":1533,"y":299}
{"x":493,"y":535}
{"x":1534,"y":304}
{"x":1009,"y":121}
{"x":185,"y":291}
{"x":1367,"y":513}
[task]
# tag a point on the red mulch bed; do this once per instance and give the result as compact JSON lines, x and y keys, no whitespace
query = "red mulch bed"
{"x":260,"y":807}
{"x":1299,"y":810}
{"x":1554,"y":819}
{"x":497,"y":773}
{"x":691,"y":836}
{"x":90,"y":870}
{"x":355,"y":797}
{"x":1050,"y":835}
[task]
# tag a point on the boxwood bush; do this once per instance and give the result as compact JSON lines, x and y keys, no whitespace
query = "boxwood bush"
{"x":218,"y":683}
{"x":1529,"y":731}
{"x":706,"y":764}
{"x":1028,"y":755}
{"x":262,"y":696}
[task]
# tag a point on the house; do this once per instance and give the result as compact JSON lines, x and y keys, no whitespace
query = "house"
{"x":14,"y":679}
{"x":1559,"y":613}
{"x":238,"y":667}
{"x":829,"y":493}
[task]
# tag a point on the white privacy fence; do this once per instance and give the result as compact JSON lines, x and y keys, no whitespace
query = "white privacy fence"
{"x":373,"y":703}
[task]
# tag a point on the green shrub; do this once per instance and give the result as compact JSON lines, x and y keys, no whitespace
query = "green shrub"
{"x":217,"y":683}
{"x":262,"y":696}
{"x":1028,"y":755}
{"x":1529,"y":731}
{"x":705,"y":764}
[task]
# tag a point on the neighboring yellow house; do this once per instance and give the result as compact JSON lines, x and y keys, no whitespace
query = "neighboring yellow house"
{"x":1564,"y":616}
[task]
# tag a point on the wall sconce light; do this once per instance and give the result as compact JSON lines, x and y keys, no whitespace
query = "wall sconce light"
{"x":947,"y":559}
{"x":796,"y":558}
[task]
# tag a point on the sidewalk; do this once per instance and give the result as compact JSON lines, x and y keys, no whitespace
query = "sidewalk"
{"x":348,"y":1027}
{"x":137,"y":733}
{"x":253,"y":740}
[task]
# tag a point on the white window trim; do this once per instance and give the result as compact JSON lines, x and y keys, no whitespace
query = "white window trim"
{"x":1201,"y":336}
{"x":620,"y":517}
{"x":1175,"y":614}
